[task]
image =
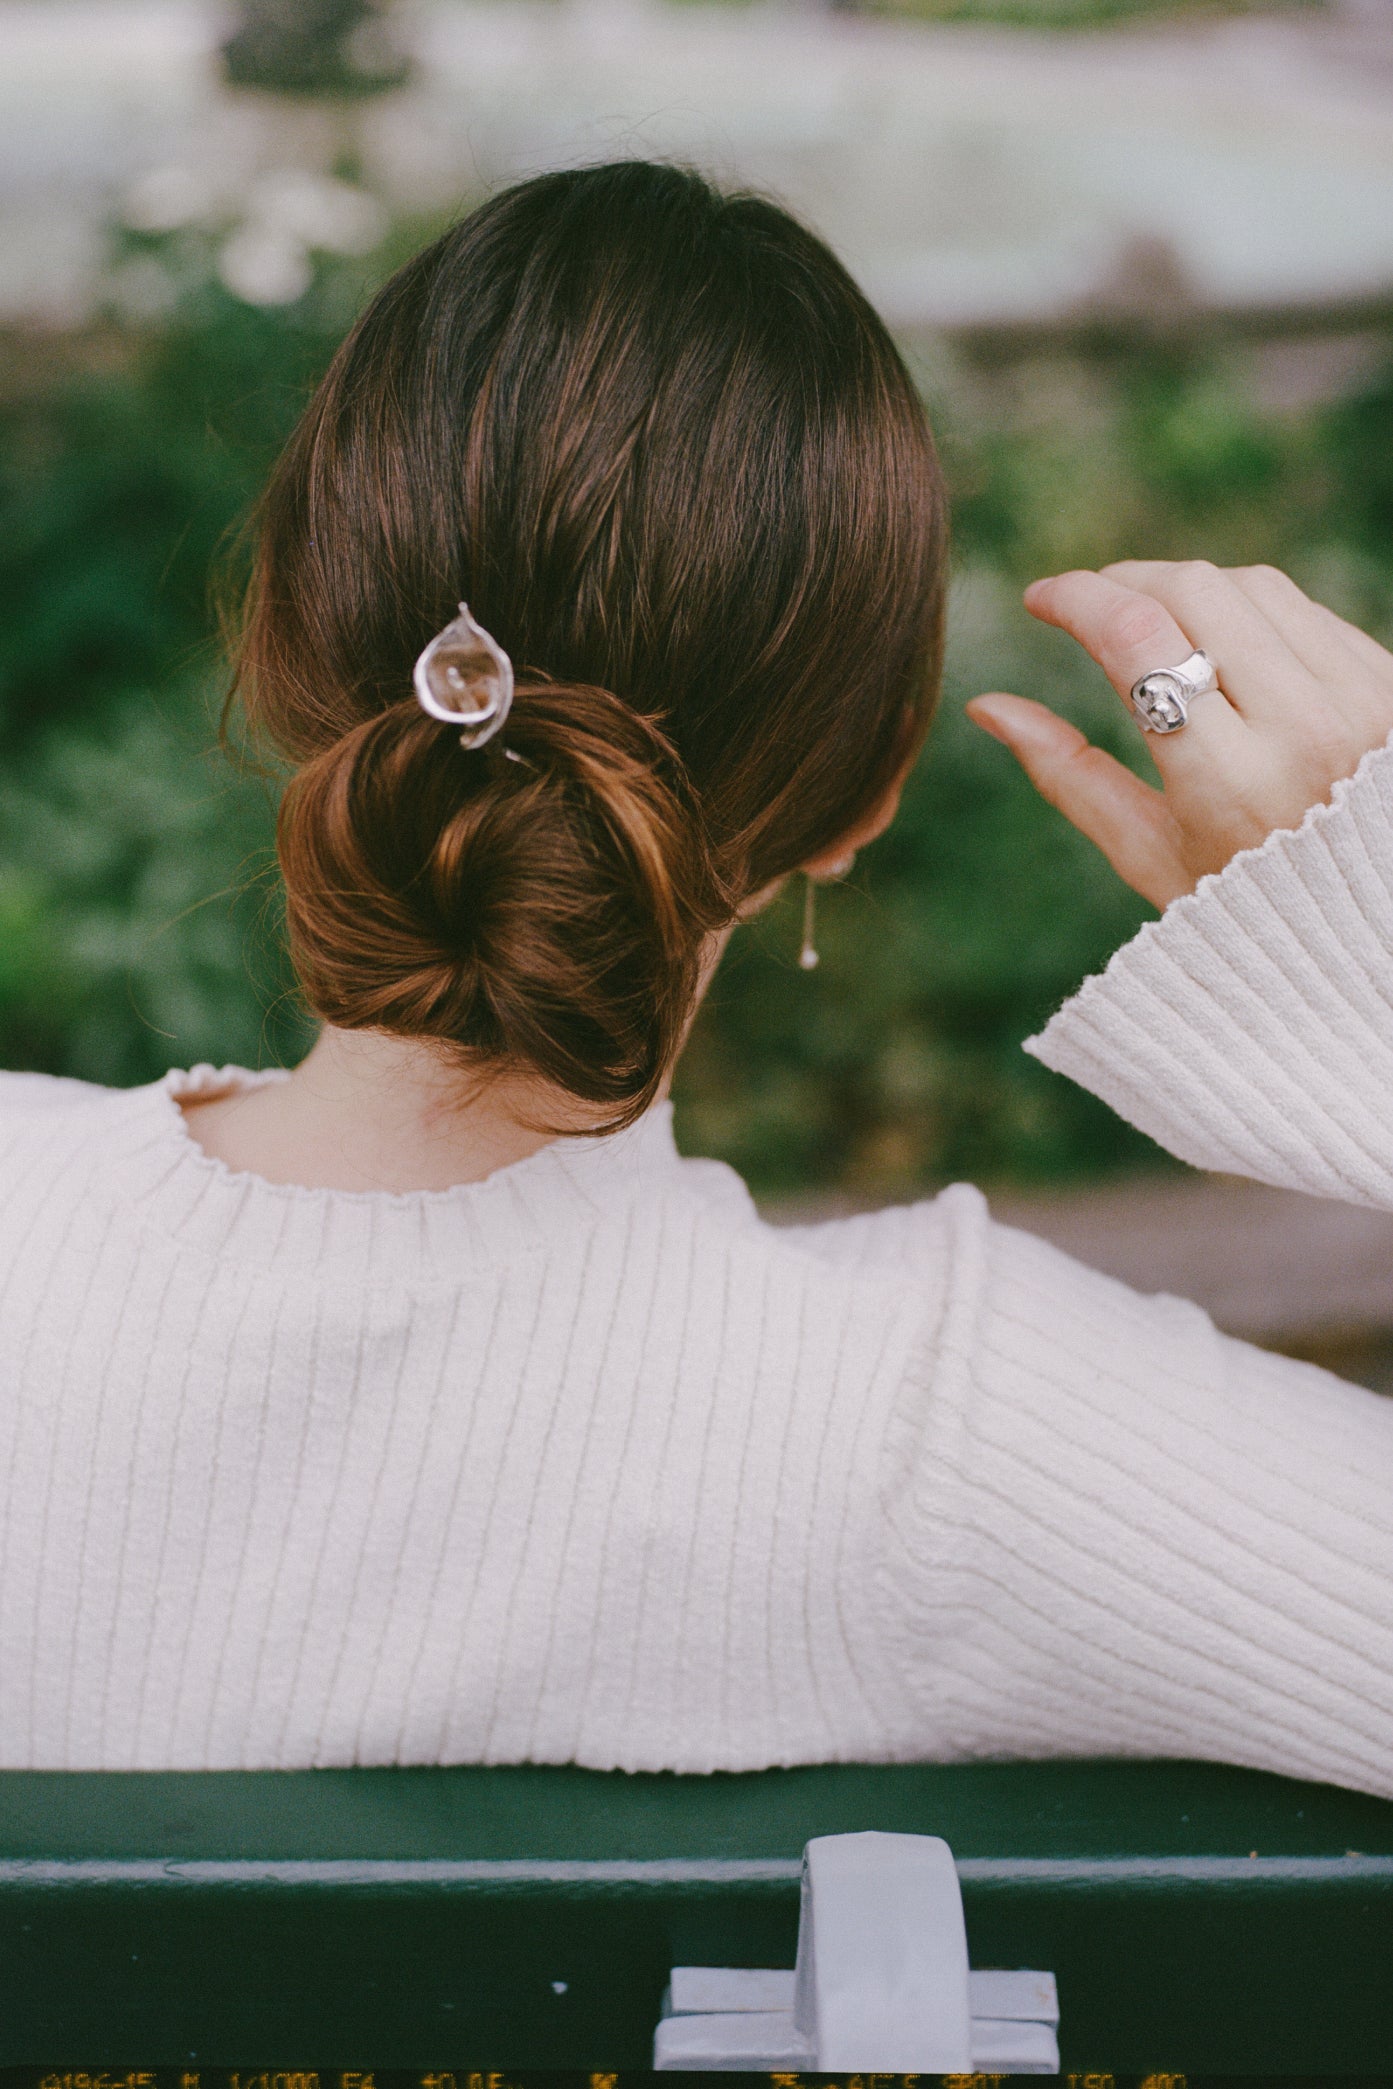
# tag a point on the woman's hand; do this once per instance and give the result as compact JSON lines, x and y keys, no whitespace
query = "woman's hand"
{"x":1302,"y":696}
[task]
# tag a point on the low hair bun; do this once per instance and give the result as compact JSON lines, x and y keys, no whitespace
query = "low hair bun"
{"x":548,"y":912}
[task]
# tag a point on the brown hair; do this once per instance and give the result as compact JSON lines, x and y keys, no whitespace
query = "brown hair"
{"x":658,"y":441}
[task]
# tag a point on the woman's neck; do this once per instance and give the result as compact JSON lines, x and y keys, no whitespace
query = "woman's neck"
{"x":365,"y":1111}
{"x":370,"y":1112}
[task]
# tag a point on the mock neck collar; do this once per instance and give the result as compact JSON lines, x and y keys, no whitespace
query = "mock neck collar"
{"x":422,"y":1236}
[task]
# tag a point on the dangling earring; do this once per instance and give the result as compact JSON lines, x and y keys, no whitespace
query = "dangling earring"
{"x":808,"y":957}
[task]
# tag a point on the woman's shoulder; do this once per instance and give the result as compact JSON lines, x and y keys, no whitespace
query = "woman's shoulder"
{"x":54,"y":1128}
{"x":890,"y":1240}
{"x":25,"y":1095}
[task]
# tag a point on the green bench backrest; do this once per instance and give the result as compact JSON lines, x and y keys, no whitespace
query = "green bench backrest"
{"x":1198,"y":1919}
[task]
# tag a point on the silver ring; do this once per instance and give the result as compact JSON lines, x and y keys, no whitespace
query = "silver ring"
{"x":1162,"y":698}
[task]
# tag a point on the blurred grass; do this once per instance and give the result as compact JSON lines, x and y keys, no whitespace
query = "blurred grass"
{"x":138,"y":904}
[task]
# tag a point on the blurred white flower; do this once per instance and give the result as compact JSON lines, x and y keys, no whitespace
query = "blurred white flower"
{"x":164,"y":198}
{"x":318,"y":211}
{"x":290,"y":214}
{"x":265,"y":265}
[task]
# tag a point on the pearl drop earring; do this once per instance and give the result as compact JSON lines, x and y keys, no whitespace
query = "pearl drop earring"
{"x":808,"y":956}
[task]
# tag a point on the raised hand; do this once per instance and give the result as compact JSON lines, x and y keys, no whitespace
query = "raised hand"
{"x":1302,"y":697}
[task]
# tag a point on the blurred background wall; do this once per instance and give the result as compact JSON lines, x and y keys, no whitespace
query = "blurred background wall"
{"x":1140,"y":256}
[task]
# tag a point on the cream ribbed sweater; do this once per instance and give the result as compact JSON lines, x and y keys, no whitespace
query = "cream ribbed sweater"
{"x":587,"y":1463}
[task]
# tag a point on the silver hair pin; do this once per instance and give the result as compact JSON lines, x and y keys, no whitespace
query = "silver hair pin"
{"x":464,"y":678}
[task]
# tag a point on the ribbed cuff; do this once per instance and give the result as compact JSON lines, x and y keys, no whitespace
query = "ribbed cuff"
{"x":1250,"y":1029}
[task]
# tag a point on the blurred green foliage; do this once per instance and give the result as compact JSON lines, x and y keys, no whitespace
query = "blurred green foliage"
{"x":138,"y":902}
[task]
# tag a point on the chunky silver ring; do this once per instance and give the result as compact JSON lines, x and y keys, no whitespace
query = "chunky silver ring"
{"x":1162,"y":698}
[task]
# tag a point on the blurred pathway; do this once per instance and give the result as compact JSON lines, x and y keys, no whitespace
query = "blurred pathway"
{"x":1273,"y":1266}
{"x":970,"y":176}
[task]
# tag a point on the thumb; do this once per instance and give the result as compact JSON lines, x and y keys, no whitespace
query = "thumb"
{"x":1112,"y":808}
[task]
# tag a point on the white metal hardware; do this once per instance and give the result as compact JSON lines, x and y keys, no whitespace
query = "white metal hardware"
{"x":882,"y":1982}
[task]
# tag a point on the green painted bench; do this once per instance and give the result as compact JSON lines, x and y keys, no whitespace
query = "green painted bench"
{"x":1198,"y":1919}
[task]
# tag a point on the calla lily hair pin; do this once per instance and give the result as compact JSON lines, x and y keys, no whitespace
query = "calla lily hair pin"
{"x":465,"y":678}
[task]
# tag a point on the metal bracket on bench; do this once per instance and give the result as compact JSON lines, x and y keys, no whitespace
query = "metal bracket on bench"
{"x":882,"y":1981}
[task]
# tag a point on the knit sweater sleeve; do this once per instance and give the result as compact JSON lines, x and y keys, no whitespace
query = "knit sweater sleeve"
{"x":1250,"y":1029}
{"x":1110,"y":1529}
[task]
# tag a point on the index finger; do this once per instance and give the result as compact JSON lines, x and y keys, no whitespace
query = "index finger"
{"x":1129,"y":634}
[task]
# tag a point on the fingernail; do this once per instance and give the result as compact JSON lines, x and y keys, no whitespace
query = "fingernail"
{"x":982,"y":715}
